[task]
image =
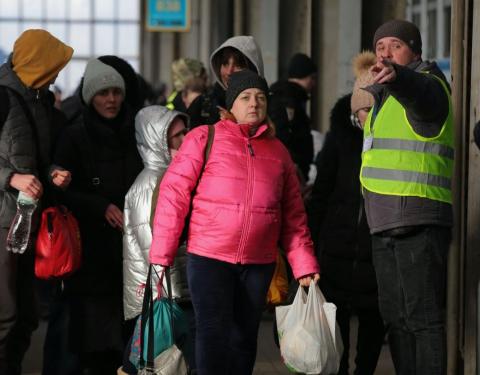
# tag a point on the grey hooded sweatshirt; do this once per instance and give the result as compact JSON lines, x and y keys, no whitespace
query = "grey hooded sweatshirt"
{"x":247,"y":45}
{"x":249,"y":48}
{"x":151,"y":127}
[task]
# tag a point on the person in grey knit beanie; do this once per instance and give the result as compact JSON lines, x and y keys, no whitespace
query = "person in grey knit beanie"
{"x":99,"y":76}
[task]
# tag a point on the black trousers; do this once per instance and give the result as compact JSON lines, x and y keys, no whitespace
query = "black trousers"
{"x":18,"y":312}
{"x":412,"y":272}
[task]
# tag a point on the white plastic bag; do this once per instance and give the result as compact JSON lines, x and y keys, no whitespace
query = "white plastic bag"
{"x":310,"y":340}
{"x":168,"y":362}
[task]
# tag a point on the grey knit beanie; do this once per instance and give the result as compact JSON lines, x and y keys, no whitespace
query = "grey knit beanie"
{"x":403,"y":30}
{"x":99,"y":76}
{"x":240,"y":81}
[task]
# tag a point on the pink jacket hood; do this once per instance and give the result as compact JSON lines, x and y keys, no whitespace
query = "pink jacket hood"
{"x":247,"y":202}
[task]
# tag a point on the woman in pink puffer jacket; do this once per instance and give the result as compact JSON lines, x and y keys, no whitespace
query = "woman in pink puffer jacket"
{"x":247,"y":202}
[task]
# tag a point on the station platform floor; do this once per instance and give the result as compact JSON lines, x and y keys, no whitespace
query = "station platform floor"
{"x":268,"y":358}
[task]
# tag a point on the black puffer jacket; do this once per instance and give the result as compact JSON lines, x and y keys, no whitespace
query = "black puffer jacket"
{"x":336,"y":215}
{"x":295,"y":132}
{"x":92,"y":148}
{"x":18,"y":148}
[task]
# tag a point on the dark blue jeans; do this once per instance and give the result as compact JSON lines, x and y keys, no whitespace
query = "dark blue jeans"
{"x":411,"y":273}
{"x":228,"y":300}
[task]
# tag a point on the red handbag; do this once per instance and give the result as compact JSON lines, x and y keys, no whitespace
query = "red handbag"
{"x":58,"y":250}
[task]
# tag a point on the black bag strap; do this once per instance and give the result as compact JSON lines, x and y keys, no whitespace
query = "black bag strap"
{"x":146,"y":315}
{"x":208,"y":148}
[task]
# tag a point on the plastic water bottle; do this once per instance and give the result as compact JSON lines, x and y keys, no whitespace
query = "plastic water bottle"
{"x":19,"y":232}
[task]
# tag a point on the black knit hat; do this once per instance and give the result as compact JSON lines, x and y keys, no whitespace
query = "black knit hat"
{"x":242,"y":80}
{"x":301,"y":66}
{"x":403,"y":30}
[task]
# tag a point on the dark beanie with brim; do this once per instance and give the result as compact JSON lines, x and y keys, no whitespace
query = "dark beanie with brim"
{"x":243,"y":80}
{"x":404,"y":30}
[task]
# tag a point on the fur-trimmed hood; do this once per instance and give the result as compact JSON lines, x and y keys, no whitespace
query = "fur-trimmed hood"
{"x":340,"y":117}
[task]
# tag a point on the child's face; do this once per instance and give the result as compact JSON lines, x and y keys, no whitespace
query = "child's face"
{"x":175,"y":135}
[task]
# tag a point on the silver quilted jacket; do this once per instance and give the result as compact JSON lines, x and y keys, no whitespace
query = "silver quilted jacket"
{"x":151,"y":126}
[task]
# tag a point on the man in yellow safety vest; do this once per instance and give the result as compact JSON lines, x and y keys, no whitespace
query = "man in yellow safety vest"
{"x":407,"y":165}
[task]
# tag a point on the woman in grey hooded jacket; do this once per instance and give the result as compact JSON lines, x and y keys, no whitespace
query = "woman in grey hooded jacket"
{"x":155,"y":126}
{"x":159,"y":133}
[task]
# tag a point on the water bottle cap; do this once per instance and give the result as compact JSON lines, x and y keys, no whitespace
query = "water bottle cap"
{"x":26,"y":199}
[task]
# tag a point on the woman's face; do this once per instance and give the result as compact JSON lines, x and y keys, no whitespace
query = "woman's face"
{"x":108,"y":102}
{"x":250,"y":107}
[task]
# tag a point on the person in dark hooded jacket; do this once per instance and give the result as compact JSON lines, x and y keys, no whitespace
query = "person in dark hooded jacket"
{"x":293,"y":95}
{"x":342,"y":240}
{"x":101,"y":151}
{"x":27,"y":135}
{"x":339,"y":227}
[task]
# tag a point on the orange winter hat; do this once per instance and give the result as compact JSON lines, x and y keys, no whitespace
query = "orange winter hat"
{"x":38,"y":57}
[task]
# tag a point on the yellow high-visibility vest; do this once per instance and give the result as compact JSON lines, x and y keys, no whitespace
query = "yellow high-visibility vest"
{"x":170,"y":100}
{"x":398,"y":161}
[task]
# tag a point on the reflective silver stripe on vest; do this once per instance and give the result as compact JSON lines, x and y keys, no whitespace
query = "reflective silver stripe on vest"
{"x":417,"y":146}
{"x":406,"y":176}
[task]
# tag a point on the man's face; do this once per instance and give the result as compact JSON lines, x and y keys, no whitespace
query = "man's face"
{"x":227,"y":68}
{"x":395,"y":50}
